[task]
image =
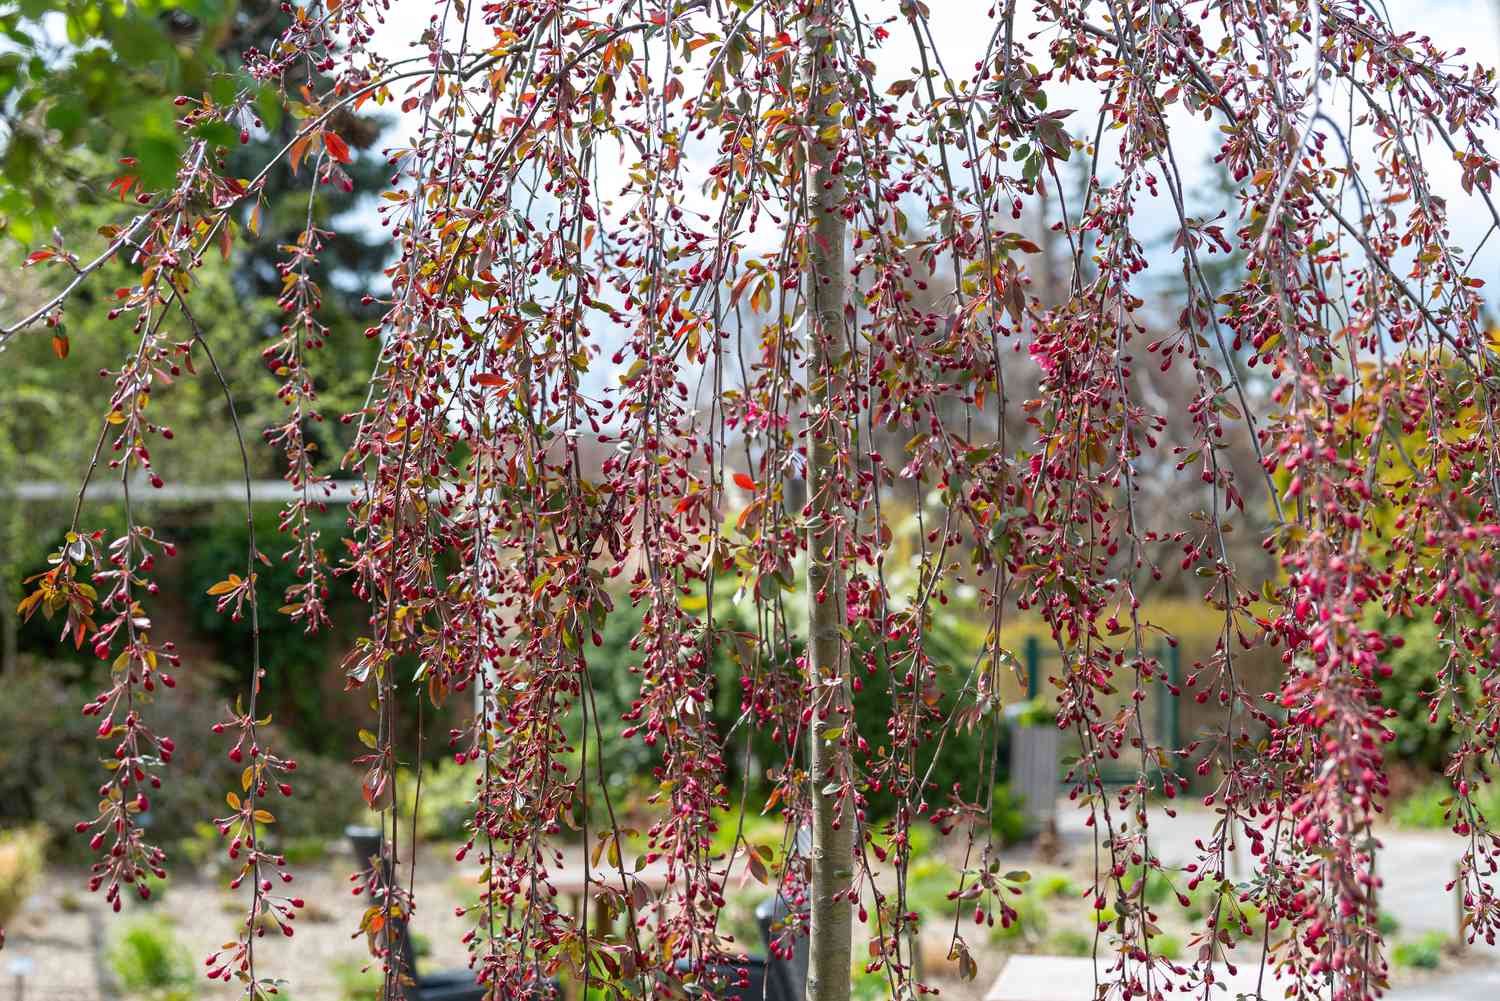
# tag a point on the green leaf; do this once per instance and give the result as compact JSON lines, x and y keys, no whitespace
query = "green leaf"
{"x":156,"y":160}
{"x":223,"y":88}
{"x":268,"y":103}
{"x":218,"y":133}
{"x":65,"y":116}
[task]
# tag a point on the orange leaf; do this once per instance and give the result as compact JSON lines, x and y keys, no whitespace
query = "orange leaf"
{"x":743,"y":482}
{"x":298,"y":149}
{"x":488,"y":379}
{"x":60,"y":345}
{"x":746,"y":515}
{"x":336,"y":147}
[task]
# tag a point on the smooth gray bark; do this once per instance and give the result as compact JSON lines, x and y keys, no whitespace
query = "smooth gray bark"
{"x":831,"y":929}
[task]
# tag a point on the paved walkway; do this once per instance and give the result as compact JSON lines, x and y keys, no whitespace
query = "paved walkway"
{"x":1415,"y":867}
{"x":1478,"y":984}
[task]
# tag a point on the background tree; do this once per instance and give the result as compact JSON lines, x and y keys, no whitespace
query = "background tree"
{"x":85,"y":84}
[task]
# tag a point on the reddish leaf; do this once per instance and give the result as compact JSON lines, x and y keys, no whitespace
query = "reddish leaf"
{"x":336,"y":147}
{"x":744,"y":482}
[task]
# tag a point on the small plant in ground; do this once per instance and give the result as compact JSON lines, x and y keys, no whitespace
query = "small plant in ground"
{"x":317,"y":913}
{"x":1158,"y":885}
{"x":356,"y":981}
{"x":1057,"y":884}
{"x":1071,"y":942}
{"x":922,"y":839}
{"x":1035,"y":712}
{"x":156,"y":887}
{"x":1027,"y":928}
{"x":304,"y":850}
{"x":869,"y":986}
{"x":201,"y":848}
{"x":928,"y":882}
{"x":1425,"y":809}
{"x":1431,"y":807}
{"x":448,"y":791}
{"x":1232,"y":909}
{"x":1008,"y":820}
{"x":149,"y":962}
{"x":1423,"y":953}
{"x":1167,"y":946}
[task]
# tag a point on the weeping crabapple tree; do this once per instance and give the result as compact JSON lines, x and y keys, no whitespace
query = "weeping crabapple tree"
{"x":694,"y":232}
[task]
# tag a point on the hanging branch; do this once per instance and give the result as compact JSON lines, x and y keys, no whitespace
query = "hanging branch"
{"x":692,"y":301}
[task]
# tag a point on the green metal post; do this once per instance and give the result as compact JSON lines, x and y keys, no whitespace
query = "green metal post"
{"x":1033,"y":667}
{"x":1172,"y":663}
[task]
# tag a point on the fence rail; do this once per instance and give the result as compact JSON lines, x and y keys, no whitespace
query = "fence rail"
{"x":261,"y":491}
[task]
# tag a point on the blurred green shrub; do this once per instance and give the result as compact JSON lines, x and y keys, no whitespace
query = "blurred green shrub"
{"x":1414,"y":676}
{"x":22,"y":856}
{"x":1007,"y":818}
{"x":149,"y":962}
{"x":1071,"y":942}
{"x":1167,"y":946}
{"x":1424,"y":953}
{"x":50,"y":766}
{"x":304,"y":691}
{"x":1057,"y":884}
{"x":1158,"y":885}
{"x":356,"y":981}
{"x":952,"y":642}
{"x":443,"y":809}
{"x":1029,"y":928}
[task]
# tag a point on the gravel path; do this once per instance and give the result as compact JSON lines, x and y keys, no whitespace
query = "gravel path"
{"x":66,"y":931}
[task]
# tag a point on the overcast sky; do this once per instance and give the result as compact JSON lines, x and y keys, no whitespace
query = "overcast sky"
{"x":1470,"y":24}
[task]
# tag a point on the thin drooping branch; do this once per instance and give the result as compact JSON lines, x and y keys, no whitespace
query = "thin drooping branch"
{"x":633,"y":239}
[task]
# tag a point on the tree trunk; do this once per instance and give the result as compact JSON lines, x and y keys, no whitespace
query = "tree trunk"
{"x":831,"y":930}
